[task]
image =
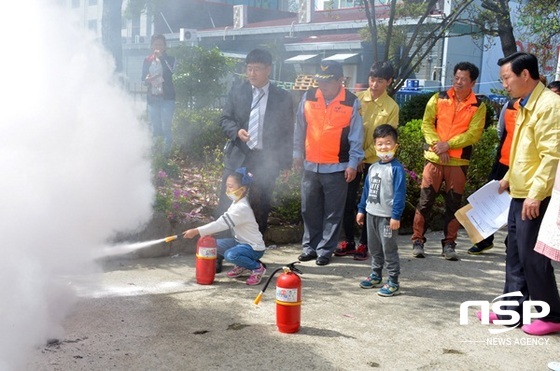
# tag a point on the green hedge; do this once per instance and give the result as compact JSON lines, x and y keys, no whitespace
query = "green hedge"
{"x":196,"y":131}
{"x":413,"y":109}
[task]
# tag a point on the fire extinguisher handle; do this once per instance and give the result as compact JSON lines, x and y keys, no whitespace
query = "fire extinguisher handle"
{"x":293,"y":267}
{"x":259,"y":296}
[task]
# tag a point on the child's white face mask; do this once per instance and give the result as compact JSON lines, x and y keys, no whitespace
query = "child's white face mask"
{"x":386,"y":156}
{"x":237,"y":194}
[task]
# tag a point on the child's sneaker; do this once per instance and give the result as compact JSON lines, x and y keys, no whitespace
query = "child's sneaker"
{"x":389,"y":289}
{"x":371,"y":281}
{"x":256,"y":275}
{"x":237,"y":271}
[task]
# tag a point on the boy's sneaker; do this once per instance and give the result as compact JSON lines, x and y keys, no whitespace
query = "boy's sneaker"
{"x":256,"y":275}
{"x":418,"y":249}
{"x":478,"y":249}
{"x":389,"y":289}
{"x":373,"y":280}
{"x":237,"y":271}
{"x":345,"y":248}
{"x":361,"y":252}
{"x":448,"y":251}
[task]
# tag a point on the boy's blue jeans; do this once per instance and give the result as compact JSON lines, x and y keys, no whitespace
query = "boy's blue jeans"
{"x":240,"y":254}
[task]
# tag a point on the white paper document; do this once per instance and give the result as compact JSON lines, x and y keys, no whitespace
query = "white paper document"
{"x":489,"y":208}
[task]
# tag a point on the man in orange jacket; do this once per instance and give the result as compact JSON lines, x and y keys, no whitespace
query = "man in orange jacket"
{"x":328,"y":139}
{"x":453,"y":122}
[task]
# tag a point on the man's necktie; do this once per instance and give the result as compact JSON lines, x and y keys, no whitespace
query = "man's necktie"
{"x":254,"y":118}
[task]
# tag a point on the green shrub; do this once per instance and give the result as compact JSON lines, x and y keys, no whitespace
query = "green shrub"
{"x":411,"y":140}
{"x":492,"y":110}
{"x":197,"y":131}
{"x":210,"y":173}
{"x":286,"y":200}
{"x":161,"y":161}
{"x":484,"y":154}
{"x":200,"y":75}
{"x":411,"y":154}
{"x":413,"y":109}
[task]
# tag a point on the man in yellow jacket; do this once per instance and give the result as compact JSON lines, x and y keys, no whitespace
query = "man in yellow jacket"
{"x":534,"y":157}
{"x":453,"y":122}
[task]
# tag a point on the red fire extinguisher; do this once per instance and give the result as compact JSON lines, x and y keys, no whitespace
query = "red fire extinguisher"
{"x":288,"y":298}
{"x":206,"y":254}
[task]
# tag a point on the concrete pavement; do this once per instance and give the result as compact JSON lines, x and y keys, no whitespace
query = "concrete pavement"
{"x":149,"y":314}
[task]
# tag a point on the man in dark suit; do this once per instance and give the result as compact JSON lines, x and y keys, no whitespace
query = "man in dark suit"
{"x":259,"y":124}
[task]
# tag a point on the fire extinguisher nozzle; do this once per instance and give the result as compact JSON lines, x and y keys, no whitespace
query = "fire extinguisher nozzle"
{"x":258,"y":298}
{"x":170,"y":238}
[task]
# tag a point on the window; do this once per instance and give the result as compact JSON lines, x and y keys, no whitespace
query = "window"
{"x":92,"y":2}
{"x":75,"y":3}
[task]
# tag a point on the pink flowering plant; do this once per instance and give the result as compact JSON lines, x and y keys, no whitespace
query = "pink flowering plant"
{"x":184,"y":192}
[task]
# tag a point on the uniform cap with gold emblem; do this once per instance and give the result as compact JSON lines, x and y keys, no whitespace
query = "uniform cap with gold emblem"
{"x":329,"y":70}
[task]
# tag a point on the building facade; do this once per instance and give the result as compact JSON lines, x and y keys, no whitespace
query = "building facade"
{"x":299,"y":33}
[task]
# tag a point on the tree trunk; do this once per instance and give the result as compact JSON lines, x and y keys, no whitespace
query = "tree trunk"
{"x":111,"y":24}
{"x":505,"y":30}
{"x":372,"y":25}
{"x":503,"y":20}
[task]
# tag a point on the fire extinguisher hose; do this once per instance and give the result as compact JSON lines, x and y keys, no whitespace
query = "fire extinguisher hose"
{"x":290,"y":267}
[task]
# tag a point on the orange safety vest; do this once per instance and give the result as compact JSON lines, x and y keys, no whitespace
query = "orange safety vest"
{"x":509,"y":126}
{"x":326,"y":140}
{"x":451,"y":122}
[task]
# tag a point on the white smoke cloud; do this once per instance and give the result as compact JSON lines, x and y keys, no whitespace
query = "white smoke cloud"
{"x":74,"y":168}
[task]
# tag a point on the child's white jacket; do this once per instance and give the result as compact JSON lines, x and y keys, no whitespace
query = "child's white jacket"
{"x":240,"y":218}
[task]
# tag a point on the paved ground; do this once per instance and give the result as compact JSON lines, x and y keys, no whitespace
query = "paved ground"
{"x":149,"y":314}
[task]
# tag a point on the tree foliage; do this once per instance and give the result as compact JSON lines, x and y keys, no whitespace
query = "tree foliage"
{"x":493,"y":18}
{"x":199,"y":75}
{"x":542,"y":18}
{"x":411,"y":30}
{"x":535,"y":21}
